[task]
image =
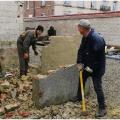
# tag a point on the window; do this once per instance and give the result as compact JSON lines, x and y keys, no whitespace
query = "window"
{"x":105,"y":3}
{"x":93,"y":4}
{"x":115,"y":6}
{"x":81,"y":4}
{"x":28,"y":4}
{"x":67,"y":3}
{"x":43,"y":3}
{"x":105,"y":6}
{"x":43,"y":14}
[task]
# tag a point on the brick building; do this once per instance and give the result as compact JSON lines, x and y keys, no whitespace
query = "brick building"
{"x":64,"y":17}
{"x":38,"y":8}
{"x":51,"y":8}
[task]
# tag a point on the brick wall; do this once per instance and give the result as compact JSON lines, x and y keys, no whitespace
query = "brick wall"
{"x":10,"y":25}
{"x":36,"y":9}
{"x":106,"y":23}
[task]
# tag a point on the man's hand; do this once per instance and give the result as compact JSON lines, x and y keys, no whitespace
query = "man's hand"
{"x":26,"y":56}
{"x":36,"y":53}
{"x":88,"y":69}
{"x":80,"y":66}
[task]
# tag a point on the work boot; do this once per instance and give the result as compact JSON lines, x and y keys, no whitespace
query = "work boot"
{"x":101,"y":113}
{"x":20,"y":76}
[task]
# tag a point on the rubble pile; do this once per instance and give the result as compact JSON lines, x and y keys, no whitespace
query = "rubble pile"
{"x":16,"y":101}
{"x":15,"y":95}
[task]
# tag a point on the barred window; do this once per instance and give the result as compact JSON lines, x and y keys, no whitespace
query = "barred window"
{"x":43,"y":3}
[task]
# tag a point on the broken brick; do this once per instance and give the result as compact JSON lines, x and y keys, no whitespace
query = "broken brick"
{"x":3,"y":96}
{"x":41,"y":76}
{"x":5,"y":84}
{"x":22,"y":98}
{"x":24,"y":114}
{"x":2,"y":111}
{"x":11,"y":107}
{"x":9,"y":114}
{"x":24,"y":78}
{"x":51,"y":71}
{"x":2,"y":89}
{"x":26,"y":85}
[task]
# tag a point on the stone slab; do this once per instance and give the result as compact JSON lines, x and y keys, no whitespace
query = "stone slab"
{"x":57,"y":88}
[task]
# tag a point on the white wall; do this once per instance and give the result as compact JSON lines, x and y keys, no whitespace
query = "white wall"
{"x":61,"y":10}
{"x":10,"y":25}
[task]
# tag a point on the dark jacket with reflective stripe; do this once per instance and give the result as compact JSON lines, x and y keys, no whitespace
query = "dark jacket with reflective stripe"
{"x":92,"y":52}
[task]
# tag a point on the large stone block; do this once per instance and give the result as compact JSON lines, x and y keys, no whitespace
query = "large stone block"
{"x":57,"y":88}
{"x":61,"y":51}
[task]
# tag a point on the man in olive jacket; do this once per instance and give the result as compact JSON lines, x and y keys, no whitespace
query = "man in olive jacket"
{"x":25,"y":40}
{"x":91,"y":59}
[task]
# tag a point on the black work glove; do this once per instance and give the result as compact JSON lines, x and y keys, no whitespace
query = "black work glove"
{"x":36,"y":53}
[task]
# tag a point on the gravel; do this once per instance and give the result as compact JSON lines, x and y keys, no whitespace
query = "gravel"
{"x":111,"y":85}
{"x":111,"y":82}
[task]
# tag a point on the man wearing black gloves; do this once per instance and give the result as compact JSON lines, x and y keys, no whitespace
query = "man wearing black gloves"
{"x":91,"y":59}
{"x":25,"y":40}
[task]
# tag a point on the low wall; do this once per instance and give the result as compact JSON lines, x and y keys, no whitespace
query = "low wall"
{"x":107,"y":23}
{"x":61,"y":51}
{"x":8,"y":55}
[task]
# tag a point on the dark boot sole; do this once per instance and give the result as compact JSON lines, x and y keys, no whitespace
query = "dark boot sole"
{"x":102,"y":116}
